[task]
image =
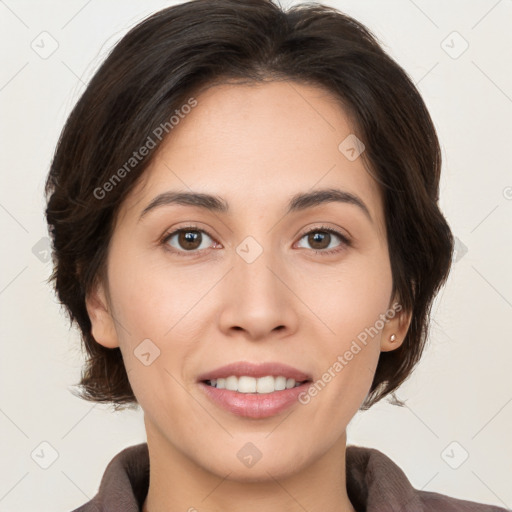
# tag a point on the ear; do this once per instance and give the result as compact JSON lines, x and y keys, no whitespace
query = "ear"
{"x":395,"y":329}
{"x":102,"y":322}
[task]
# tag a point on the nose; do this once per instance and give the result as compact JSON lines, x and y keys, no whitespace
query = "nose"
{"x":258,"y":299}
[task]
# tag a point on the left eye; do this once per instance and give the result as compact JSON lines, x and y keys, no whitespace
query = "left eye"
{"x":321,"y":239}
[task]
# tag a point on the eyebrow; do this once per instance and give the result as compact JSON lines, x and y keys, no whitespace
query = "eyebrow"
{"x":298,"y":202}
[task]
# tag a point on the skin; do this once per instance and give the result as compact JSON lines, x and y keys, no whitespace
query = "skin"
{"x":256,"y":146}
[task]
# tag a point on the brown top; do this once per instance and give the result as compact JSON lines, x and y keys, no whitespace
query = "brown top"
{"x":374,"y":484}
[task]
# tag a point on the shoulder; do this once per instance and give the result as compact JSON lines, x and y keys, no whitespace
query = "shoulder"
{"x":376,"y":483}
{"x":434,"y":501}
{"x":124,"y":484}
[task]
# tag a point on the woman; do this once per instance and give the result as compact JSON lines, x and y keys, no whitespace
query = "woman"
{"x":244,"y":211}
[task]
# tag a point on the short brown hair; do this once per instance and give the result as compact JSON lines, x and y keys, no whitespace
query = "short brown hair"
{"x":180,"y":49}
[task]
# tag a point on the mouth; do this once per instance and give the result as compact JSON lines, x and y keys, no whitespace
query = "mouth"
{"x":254,"y":390}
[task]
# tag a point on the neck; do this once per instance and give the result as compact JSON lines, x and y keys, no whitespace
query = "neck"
{"x":178,"y":483}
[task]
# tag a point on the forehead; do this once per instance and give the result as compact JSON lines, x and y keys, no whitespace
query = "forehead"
{"x":259,"y":144}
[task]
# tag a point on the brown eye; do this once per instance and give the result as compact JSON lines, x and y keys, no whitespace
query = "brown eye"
{"x":188,"y":240}
{"x":320,"y":240}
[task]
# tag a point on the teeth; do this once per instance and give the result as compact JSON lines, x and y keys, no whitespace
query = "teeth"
{"x":232,"y":383}
{"x":246,"y":384}
{"x":264,"y":384}
{"x":280,"y":383}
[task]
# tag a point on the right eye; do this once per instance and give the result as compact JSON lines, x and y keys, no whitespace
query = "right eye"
{"x":187,"y":240}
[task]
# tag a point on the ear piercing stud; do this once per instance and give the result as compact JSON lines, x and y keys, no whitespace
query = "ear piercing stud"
{"x":392,"y":338}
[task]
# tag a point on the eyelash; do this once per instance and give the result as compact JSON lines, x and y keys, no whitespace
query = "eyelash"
{"x":345,"y":242}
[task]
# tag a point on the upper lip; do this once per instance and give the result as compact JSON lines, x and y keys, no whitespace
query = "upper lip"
{"x":240,"y":368}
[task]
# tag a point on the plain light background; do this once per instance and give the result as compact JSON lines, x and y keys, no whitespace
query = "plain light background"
{"x":454,"y":434}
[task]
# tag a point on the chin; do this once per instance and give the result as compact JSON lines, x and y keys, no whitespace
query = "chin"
{"x":255,"y":460}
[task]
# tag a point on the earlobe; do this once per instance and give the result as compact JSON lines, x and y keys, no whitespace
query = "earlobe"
{"x":395,"y":330}
{"x":102,"y":322}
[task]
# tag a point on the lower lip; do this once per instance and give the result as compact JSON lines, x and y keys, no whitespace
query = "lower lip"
{"x":254,"y":405}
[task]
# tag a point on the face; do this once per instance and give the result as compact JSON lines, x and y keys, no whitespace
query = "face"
{"x":265,"y":279}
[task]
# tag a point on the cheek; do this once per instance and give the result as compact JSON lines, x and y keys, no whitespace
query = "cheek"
{"x":161,"y":310}
{"x":154,"y":308}
{"x":350,"y":305}
{"x":351,"y":298}
{"x":155,"y":300}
